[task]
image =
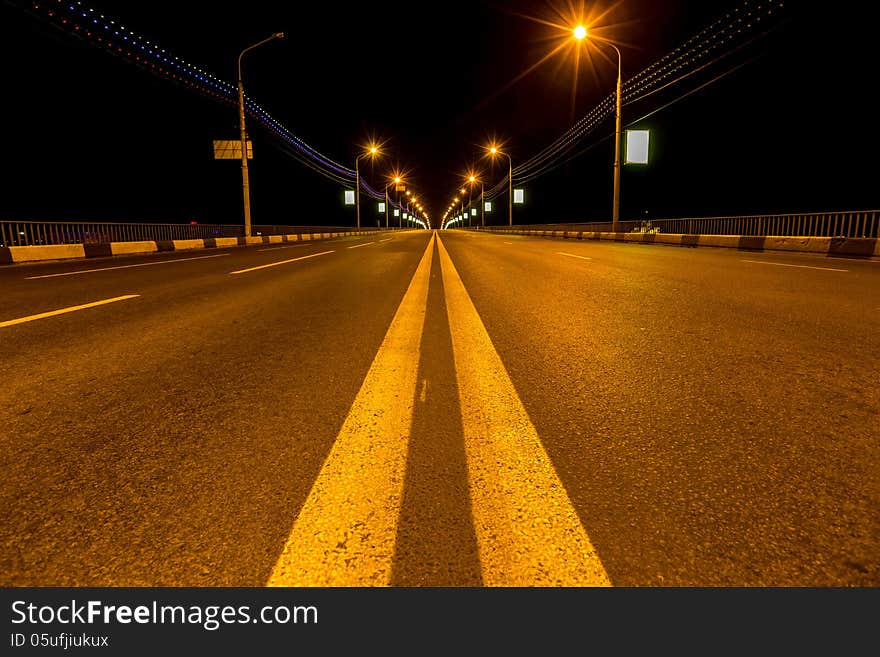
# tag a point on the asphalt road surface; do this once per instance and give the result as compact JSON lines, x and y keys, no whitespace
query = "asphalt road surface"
{"x":441,"y":409}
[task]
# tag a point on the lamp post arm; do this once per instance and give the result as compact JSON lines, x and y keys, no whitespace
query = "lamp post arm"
{"x":277,"y":35}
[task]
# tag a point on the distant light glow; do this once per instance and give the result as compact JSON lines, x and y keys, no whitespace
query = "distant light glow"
{"x":580,"y":33}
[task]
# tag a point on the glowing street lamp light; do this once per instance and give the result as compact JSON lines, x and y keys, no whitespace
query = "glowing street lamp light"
{"x":245,"y":179}
{"x":372,"y":152}
{"x":580,"y":33}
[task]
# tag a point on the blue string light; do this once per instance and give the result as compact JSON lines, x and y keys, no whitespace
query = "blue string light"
{"x":198,"y":80}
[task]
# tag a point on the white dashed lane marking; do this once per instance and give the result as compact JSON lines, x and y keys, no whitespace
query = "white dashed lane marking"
{"x":140,"y":264}
{"x":282,"y":262}
{"x":785,"y":264}
{"x":63,"y":311}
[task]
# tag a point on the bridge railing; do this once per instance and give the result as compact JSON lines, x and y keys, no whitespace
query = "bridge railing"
{"x":858,"y":223}
{"x":39,"y":233}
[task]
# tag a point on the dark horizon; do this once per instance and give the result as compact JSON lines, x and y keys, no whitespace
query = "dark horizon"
{"x":95,"y":138}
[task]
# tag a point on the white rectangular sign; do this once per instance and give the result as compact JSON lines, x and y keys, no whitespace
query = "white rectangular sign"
{"x":349,"y":197}
{"x":637,"y":146}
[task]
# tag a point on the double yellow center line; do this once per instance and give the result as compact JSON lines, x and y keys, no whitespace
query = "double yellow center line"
{"x":528,"y":533}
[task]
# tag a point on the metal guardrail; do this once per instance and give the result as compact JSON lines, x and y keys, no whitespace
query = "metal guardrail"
{"x":859,"y":223}
{"x":40,"y":233}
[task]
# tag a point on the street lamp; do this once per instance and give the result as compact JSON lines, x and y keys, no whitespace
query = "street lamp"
{"x":245,"y":181}
{"x":396,"y":181}
{"x":580,"y":33}
{"x":472,"y":179}
{"x":373,"y":150}
{"x":493,"y":151}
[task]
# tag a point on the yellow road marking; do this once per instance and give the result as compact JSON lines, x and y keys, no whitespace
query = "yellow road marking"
{"x":357,"y":246}
{"x":783,"y":264}
{"x":22,"y":320}
{"x":571,"y":255}
{"x":140,"y":264}
{"x":346,"y":531}
{"x":528,"y":533}
{"x":282,"y":262}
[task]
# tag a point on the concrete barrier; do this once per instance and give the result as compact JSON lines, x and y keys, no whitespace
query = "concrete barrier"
{"x":186,"y":245}
{"x":122,"y":248}
{"x":858,"y":247}
{"x":53,"y":252}
{"x":13,"y":254}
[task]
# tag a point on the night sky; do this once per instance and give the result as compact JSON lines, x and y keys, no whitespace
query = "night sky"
{"x":789,"y":126}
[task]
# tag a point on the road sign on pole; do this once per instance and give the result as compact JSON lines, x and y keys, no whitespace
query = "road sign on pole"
{"x":230,"y":149}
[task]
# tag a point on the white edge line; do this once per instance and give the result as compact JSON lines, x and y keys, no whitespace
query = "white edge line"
{"x":785,"y":264}
{"x":278,"y":248}
{"x":282,"y":262}
{"x":571,"y":255}
{"x":357,"y":246}
{"x":140,"y":264}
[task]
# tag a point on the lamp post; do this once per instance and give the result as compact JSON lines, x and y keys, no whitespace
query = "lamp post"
{"x":465,"y":209}
{"x":245,"y":179}
{"x":580,"y":33}
{"x":494,"y":150}
{"x":472,"y":179}
{"x":396,"y":181}
{"x":357,"y":182}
